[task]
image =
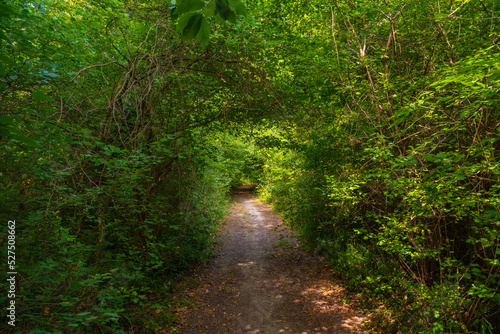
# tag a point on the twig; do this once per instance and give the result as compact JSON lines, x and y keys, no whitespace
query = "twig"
{"x":97,"y":65}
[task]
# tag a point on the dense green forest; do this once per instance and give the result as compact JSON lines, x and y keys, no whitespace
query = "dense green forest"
{"x":373,"y":127}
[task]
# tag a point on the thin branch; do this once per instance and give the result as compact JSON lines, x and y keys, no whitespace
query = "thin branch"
{"x":97,"y":65}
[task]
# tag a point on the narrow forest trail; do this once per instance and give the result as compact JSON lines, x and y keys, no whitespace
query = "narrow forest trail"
{"x":261,"y":282}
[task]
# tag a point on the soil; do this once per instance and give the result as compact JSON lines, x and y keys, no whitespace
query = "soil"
{"x":261,"y":281}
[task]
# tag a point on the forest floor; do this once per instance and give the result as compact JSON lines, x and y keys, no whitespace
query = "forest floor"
{"x":261,"y":281}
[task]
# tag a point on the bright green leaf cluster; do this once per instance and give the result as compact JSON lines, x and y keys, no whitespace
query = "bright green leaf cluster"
{"x":192,"y":22}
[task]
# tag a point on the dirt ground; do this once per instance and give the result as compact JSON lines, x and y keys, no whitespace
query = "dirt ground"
{"x":262,"y":282}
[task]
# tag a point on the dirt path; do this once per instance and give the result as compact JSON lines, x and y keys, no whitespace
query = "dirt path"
{"x":261,"y":282}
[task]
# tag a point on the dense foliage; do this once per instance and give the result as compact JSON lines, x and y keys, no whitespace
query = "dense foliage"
{"x":115,"y":164}
{"x":372,"y":126}
{"x":390,"y":166}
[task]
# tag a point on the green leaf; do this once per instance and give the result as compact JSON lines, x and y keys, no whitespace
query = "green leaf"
{"x":39,"y":96}
{"x":114,"y":148}
{"x":173,"y":16}
{"x":26,"y":140}
{"x":185,"y":6}
{"x":203,"y":35}
{"x":112,"y":315}
{"x":210,"y":11}
{"x":82,"y":314}
{"x":184,"y":20}
{"x":193,"y":27}
{"x":238,"y":7}
{"x":223,"y":10}
{"x":231,"y":17}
